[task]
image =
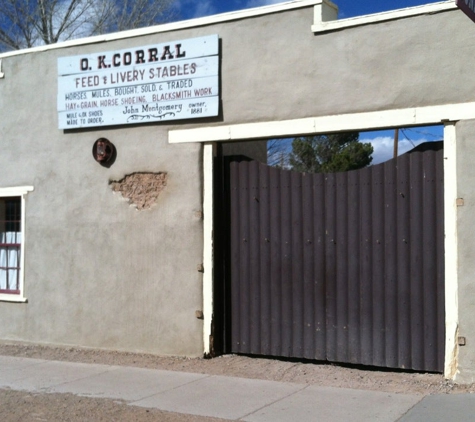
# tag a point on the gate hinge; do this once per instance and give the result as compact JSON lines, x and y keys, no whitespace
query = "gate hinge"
{"x":460,"y":202}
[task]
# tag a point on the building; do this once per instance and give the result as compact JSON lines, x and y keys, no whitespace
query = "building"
{"x":93,"y":269}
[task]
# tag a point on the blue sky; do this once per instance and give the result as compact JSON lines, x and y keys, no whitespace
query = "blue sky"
{"x":347,"y":8}
{"x":382,"y":141}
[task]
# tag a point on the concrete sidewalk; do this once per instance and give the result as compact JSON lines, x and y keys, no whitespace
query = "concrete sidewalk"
{"x":228,"y":397}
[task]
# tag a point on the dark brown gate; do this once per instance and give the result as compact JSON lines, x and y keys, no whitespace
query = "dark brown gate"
{"x":344,"y":267}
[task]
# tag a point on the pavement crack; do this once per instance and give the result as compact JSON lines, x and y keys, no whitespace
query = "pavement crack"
{"x":171,"y":389}
{"x":273,"y":402}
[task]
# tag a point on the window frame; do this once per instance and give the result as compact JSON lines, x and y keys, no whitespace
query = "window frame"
{"x":21,"y":192}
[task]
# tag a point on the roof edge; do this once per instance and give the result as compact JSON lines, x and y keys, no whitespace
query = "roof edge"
{"x":172,"y":26}
{"x":323,"y":24}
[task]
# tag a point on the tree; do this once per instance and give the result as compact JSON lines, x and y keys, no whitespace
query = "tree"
{"x":278,"y":153}
{"x":27,"y":23}
{"x":330,"y":153}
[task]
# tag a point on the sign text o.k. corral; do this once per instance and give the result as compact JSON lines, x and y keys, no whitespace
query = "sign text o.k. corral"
{"x":171,"y":81}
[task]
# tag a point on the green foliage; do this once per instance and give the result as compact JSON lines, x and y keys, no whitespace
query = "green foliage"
{"x":330,"y":153}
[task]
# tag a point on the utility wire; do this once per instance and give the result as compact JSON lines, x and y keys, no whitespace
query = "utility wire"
{"x":403,"y":131}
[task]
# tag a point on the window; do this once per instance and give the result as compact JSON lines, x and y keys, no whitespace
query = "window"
{"x":12,"y":240}
{"x":10,"y":245}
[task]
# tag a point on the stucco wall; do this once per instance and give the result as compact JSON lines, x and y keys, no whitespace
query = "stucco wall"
{"x":465,"y":131}
{"x":275,"y":68}
{"x":99,"y":273}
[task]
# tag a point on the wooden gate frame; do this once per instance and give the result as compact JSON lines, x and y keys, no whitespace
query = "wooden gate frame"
{"x":448,"y":115}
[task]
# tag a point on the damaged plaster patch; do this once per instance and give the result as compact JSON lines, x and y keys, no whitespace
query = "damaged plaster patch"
{"x":141,"y":189}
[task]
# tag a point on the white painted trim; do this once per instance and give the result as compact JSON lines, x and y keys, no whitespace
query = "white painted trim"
{"x":451,"y":251}
{"x":174,"y":26}
{"x":13,"y":298}
{"x":321,"y":25}
{"x":446,"y":114}
{"x":208,"y":244}
{"x":23,"y":242}
{"x":321,"y":22}
{"x":338,"y":123}
{"x":18,"y":191}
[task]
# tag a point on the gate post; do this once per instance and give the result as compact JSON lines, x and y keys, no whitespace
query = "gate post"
{"x":208,"y":205}
{"x":451,"y":251}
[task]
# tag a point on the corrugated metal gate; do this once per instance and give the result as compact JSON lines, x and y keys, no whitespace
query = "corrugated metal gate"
{"x":344,"y":267}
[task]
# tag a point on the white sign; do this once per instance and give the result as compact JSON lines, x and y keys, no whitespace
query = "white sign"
{"x":170,"y":81}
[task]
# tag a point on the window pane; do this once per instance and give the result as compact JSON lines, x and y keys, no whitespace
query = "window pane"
{"x":10,"y":244}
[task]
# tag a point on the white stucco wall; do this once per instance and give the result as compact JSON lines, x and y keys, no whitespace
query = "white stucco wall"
{"x":466,"y":249}
{"x":98,"y":273}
